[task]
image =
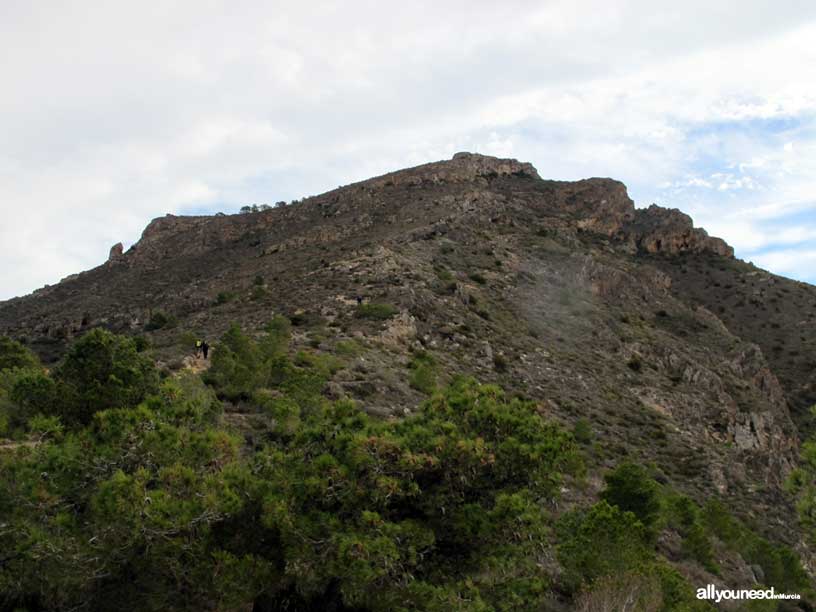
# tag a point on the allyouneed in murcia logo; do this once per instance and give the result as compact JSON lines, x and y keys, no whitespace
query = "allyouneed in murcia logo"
{"x":711,"y":592}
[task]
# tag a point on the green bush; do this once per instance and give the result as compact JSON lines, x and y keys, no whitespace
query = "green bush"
{"x":224,"y":297}
{"x":348,"y":348}
{"x":236,"y":365}
{"x":160,"y":320}
{"x":33,"y":392}
{"x":604,"y":540}
{"x":15,"y":355}
{"x":782,"y":566}
{"x":685,"y":516}
{"x":142,"y":343}
{"x":386,"y":507}
{"x":151,"y":508}
{"x":241,"y":365}
{"x":100,"y":371}
{"x":378,"y":312}
{"x":443,"y":274}
{"x":630,"y":488}
{"x":582,"y":431}
{"x":423,"y":375}
{"x":278,"y":334}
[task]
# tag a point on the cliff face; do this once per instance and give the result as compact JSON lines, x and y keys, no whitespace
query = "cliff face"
{"x":560,"y":291}
{"x":661,"y":230}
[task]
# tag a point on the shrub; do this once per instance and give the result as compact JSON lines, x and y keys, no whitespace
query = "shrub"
{"x":348,"y":348}
{"x":160,"y":320}
{"x":582,"y":431}
{"x":477,"y":277}
{"x":100,"y":371}
{"x":235,"y":369}
{"x":224,"y":297}
{"x":15,"y":355}
{"x":241,"y":365}
{"x":142,"y":343}
{"x":387,"y":505}
{"x":33,"y":392}
{"x":443,"y":274}
{"x":278,"y":334}
{"x":630,"y":488}
{"x":604,"y":540}
{"x":684,"y":515}
{"x":500,"y":363}
{"x":375,"y":311}
{"x":423,"y":373}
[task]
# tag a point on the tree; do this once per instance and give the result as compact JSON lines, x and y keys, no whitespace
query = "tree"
{"x":103,"y":370}
{"x":630,"y":488}
{"x":601,"y":541}
{"x":33,"y":392}
{"x":236,"y":365}
{"x":15,"y":355}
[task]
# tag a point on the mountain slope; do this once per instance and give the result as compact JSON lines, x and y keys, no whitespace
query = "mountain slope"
{"x":562,"y":292}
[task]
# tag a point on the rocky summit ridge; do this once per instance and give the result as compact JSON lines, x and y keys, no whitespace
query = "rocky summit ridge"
{"x":629,"y":318}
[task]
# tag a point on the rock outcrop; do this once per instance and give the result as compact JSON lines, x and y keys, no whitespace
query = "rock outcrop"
{"x":664,"y":230}
{"x":116,"y":252}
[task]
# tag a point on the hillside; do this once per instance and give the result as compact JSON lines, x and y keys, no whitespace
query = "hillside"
{"x":629,"y":321}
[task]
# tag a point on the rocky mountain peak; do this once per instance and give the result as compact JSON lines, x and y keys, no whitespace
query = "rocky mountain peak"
{"x":563,"y":292}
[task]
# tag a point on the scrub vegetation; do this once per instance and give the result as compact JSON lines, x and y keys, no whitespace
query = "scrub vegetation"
{"x":122,"y":491}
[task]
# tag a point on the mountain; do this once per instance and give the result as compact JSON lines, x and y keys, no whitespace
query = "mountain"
{"x":631,"y":320}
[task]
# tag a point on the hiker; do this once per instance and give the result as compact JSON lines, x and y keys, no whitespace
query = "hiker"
{"x":205,"y":348}
{"x":359,"y":300}
{"x":199,"y":345}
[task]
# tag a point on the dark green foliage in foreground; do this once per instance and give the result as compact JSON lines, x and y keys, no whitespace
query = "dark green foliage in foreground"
{"x":102,"y":371}
{"x":145,"y":501}
{"x":32,"y":392}
{"x":397,"y":515}
{"x":153,"y":508}
{"x":119,"y":515}
{"x":15,"y":355}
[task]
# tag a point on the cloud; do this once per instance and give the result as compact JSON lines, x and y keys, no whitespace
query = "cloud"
{"x":791,"y":262}
{"x":124,"y":112}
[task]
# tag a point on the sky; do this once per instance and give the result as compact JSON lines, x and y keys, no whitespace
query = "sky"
{"x":113,"y":113}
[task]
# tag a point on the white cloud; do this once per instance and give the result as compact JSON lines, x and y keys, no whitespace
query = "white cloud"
{"x":122,"y":112}
{"x":789,"y":262}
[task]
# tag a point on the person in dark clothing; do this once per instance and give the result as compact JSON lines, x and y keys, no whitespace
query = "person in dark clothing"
{"x":359,"y":300}
{"x":205,"y":348}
